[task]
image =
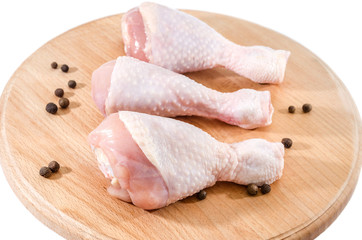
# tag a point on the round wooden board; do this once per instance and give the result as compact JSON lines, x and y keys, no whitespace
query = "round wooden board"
{"x":321,"y":169}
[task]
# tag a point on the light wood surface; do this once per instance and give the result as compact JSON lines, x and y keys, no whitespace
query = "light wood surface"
{"x":321,"y":169}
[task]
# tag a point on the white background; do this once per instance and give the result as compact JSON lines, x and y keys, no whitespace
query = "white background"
{"x":330,"y":29}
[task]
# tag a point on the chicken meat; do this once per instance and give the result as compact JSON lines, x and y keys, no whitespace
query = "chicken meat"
{"x":182,"y":43}
{"x":133,"y":85}
{"x":154,"y":161}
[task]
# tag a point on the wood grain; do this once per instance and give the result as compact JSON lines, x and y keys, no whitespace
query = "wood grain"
{"x":321,"y":169}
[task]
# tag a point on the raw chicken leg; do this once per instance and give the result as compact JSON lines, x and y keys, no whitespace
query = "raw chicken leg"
{"x":155,"y":161}
{"x":134,"y":85}
{"x":182,"y":43}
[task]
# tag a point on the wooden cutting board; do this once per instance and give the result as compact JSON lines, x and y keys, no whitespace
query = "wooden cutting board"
{"x":321,"y":169}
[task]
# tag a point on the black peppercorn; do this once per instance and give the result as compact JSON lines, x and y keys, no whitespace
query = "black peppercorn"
{"x":287,"y":142}
{"x":64,"y":68}
{"x":63,"y":102}
{"x":51,"y":108}
{"x":72,"y":83}
{"x":201,"y":195}
{"x":45,"y":172}
{"x":54,"y":166}
{"x":252,"y":189}
{"x":265,"y":188}
{"x":291,"y":109}
{"x":54,"y":65}
{"x":307,"y":107}
{"x":59,"y":92}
